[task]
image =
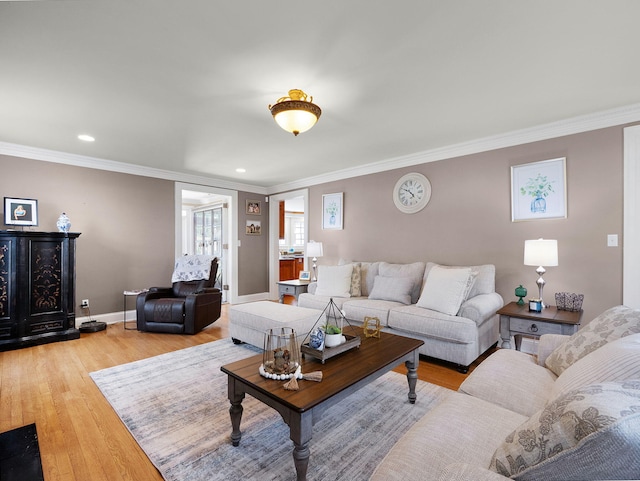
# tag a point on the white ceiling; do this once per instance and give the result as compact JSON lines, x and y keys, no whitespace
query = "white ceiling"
{"x":184,"y":85}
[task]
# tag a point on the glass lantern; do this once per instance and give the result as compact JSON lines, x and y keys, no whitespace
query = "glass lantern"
{"x":281,"y":356}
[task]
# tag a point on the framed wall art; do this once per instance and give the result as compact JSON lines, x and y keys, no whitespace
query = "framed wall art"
{"x":253,"y":207}
{"x":332,"y":211}
{"x":20,"y":211}
{"x":253,"y":227}
{"x":539,"y":190}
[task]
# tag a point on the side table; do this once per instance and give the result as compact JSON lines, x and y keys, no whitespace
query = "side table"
{"x":124,"y":311}
{"x":293,"y":288}
{"x":517,"y":321}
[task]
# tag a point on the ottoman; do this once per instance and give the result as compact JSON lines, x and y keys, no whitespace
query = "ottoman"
{"x":248,"y":322}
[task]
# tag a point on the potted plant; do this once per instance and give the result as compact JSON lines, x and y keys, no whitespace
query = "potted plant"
{"x":333,"y":335}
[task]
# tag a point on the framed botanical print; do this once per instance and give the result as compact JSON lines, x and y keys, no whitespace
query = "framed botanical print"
{"x":539,"y":190}
{"x":332,"y":211}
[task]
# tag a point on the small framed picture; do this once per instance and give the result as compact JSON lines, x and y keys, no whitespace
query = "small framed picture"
{"x":253,"y":227}
{"x":254,"y":207}
{"x":20,"y":211}
{"x":332,"y":211}
{"x":305,"y":275}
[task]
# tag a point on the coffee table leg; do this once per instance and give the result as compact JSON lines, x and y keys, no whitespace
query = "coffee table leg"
{"x":235,"y":411}
{"x":412,"y":376}
{"x":300,"y":431}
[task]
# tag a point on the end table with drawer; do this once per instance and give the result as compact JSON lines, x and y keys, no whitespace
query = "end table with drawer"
{"x":293,"y":288}
{"x":517,"y":321}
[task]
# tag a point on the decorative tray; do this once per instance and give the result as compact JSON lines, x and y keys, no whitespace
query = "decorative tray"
{"x":329,"y":352}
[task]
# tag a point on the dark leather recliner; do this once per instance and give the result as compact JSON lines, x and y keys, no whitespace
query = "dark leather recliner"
{"x":185,"y":308}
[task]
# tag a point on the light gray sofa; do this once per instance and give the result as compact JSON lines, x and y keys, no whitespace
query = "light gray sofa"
{"x":454,"y":315}
{"x":572,"y":413}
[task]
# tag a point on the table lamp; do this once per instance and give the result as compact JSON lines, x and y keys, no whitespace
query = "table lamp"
{"x":314,"y":249}
{"x":541,"y":252}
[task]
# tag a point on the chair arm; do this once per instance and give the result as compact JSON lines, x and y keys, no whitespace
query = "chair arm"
{"x":311,"y":288}
{"x":156,"y":293}
{"x":481,"y":307}
{"x":547,"y":344}
{"x":201,"y":309}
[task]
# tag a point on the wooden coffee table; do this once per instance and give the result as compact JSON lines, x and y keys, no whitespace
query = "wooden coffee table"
{"x":342,"y":376}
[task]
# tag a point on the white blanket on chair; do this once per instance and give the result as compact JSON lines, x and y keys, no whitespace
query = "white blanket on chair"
{"x":192,"y":268}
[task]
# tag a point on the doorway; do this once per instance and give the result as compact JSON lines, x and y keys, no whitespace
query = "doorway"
{"x":299,"y":198}
{"x":204,"y":225}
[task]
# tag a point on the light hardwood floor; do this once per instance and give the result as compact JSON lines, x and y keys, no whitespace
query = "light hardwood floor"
{"x":81,"y":438}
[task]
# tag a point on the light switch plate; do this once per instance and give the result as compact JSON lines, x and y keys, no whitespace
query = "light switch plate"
{"x":612,"y":240}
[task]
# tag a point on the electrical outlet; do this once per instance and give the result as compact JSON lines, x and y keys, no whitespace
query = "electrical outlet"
{"x":85,"y":303}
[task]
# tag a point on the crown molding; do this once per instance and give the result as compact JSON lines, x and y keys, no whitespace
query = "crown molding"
{"x":575,"y":125}
{"x":58,"y":157}
{"x":561,"y":128}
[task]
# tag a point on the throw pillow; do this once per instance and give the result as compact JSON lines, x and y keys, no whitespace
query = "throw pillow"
{"x":589,"y":433}
{"x":392,"y":289}
{"x":485,"y":282}
{"x":612,"y":324}
{"x":334,"y":281}
{"x":446,"y":288}
{"x":415,"y":271}
{"x":355,"y":289}
{"x":618,"y":360}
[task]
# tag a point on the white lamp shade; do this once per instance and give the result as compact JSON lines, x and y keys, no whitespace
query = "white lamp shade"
{"x":541,"y":252}
{"x":314,"y":249}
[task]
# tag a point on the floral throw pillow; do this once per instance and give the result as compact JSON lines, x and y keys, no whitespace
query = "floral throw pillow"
{"x":614,"y":323}
{"x":589,"y":433}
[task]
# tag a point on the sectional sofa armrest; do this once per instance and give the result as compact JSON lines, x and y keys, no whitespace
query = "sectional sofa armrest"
{"x":481,"y":307}
{"x":311,"y":288}
{"x":465,"y":472}
{"x":547,"y":344}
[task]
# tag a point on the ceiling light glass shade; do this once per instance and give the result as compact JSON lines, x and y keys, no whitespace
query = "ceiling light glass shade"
{"x":296,"y":113}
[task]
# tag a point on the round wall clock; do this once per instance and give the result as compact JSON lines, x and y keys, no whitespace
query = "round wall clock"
{"x":412,"y":193}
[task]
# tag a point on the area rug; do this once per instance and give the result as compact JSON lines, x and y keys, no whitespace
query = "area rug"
{"x":176,"y":407}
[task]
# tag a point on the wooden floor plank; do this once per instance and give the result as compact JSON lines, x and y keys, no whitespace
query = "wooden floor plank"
{"x":81,"y":437}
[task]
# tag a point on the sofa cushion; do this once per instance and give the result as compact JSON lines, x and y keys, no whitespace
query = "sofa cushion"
{"x":459,"y":429}
{"x":334,"y":281}
{"x":415,"y":271}
{"x":446,"y":288}
{"x":511,"y":379}
{"x":313,"y":301}
{"x":423,"y":322}
{"x":589,"y":433}
{"x":485,"y":282}
{"x":368,"y":273}
{"x":392,"y":289}
{"x":357,"y":309}
{"x":614,"y":323}
{"x":618,"y":360}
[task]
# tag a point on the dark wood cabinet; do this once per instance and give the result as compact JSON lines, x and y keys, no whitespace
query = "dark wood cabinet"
{"x":37,"y":288}
{"x":291,"y":268}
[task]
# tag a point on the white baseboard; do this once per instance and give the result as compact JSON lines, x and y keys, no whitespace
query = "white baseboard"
{"x":109,"y":317}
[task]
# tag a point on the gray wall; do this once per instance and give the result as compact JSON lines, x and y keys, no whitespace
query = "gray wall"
{"x":253,"y":253}
{"x":126,"y":224}
{"x":468,"y":220}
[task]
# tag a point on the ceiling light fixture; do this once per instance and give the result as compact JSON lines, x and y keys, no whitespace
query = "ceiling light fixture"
{"x":296,"y":113}
{"x":86,"y":138}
